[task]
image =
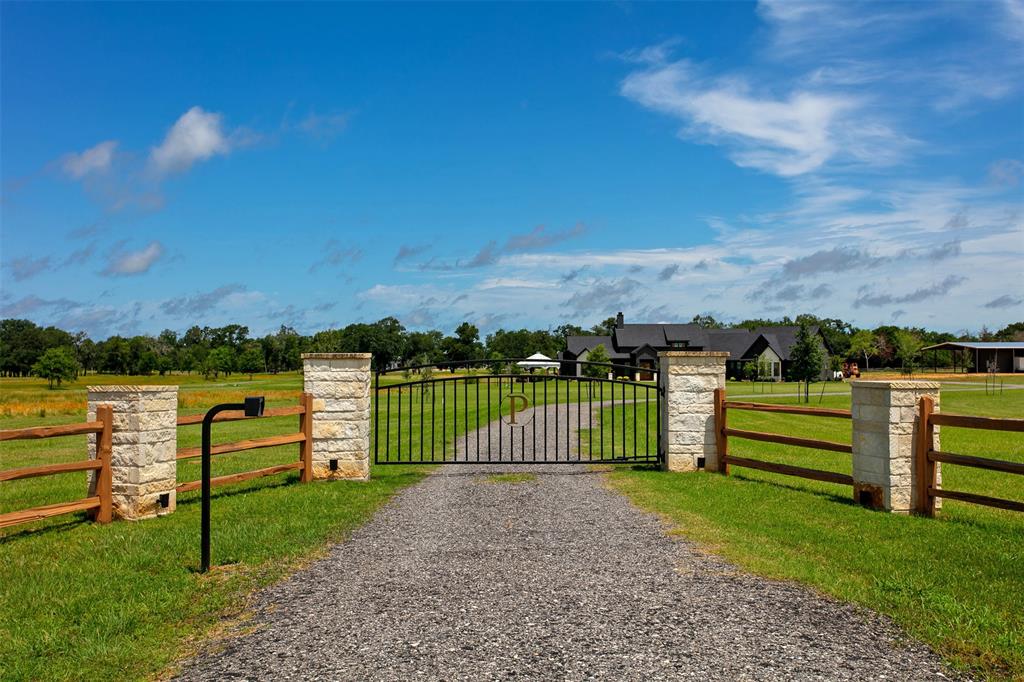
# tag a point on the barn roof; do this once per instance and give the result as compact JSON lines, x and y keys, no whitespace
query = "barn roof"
{"x":977,"y":345}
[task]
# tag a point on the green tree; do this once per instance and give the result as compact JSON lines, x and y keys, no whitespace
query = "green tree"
{"x":464,"y":345}
{"x":251,"y":360}
{"x":599,"y":355}
{"x":221,"y":360}
{"x":863,"y":344}
{"x":750,"y":370}
{"x":706,"y":321}
{"x":56,"y":365}
{"x":806,"y":358}
{"x":1011,"y":332}
{"x":604,"y":328}
{"x":496,"y":364}
{"x":907,"y":346}
{"x":21,"y":345}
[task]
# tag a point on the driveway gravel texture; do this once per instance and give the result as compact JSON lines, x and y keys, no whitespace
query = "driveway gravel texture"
{"x":461,"y":577}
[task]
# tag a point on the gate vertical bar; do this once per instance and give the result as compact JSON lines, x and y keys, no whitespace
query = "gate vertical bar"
{"x":623,"y":420}
{"x":657,"y":414}
{"x":455,"y":418}
{"x":489,"y":441}
{"x":433,"y":410}
{"x":647,"y":421}
{"x":387,"y":427}
{"x":533,"y":443}
{"x":590,"y":418}
{"x":556,"y":419}
{"x":476,"y":386}
{"x":376,"y":416}
{"x":635,"y":406}
{"x":545,"y":420}
{"x":579,"y":422}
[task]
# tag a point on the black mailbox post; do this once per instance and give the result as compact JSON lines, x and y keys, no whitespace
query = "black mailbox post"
{"x":252,"y":407}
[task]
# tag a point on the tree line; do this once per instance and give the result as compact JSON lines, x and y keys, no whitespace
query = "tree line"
{"x":59,"y":355}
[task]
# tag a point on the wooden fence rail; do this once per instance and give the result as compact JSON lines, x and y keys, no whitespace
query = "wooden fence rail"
{"x":723,"y":432}
{"x":101,"y":503}
{"x":925,"y":457}
{"x":303,"y":437}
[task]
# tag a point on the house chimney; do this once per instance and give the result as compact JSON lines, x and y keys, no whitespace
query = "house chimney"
{"x":619,"y":321}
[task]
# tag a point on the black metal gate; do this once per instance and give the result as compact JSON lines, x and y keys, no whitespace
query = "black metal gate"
{"x":516,"y":411}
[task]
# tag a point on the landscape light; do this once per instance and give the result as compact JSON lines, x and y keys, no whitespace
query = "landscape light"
{"x":252,"y":407}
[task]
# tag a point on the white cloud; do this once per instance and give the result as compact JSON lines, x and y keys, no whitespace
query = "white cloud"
{"x":133,"y":262}
{"x":196,"y":136}
{"x":94,"y":160}
{"x":787,"y":136}
{"x":890,"y":47}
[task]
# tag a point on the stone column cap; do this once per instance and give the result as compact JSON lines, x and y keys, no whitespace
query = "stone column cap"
{"x":693,"y":354}
{"x":895,"y":384}
{"x":336,"y":356}
{"x":128,"y":388}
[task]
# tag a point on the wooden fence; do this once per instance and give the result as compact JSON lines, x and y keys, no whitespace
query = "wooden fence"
{"x":925,"y":456}
{"x":303,"y":437}
{"x":101,"y":503}
{"x":723,"y":432}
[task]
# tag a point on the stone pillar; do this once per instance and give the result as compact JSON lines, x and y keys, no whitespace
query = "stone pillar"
{"x":689,"y":379}
{"x":885,"y":423}
{"x":340,"y":386}
{"x":144,"y":465}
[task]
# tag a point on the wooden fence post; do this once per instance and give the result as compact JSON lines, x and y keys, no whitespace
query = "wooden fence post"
{"x":104,"y":475}
{"x":925,"y":467}
{"x":721,"y":440}
{"x":306,"y":447}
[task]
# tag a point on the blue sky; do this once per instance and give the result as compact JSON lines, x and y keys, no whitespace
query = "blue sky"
{"x":511,"y":164}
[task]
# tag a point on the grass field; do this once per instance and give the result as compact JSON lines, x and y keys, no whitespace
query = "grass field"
{"x":123,"y":601}
{"x":81,"y":600}
{"x":956,"y":582}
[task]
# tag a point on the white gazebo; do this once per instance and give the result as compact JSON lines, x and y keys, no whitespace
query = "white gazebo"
{"x":538,"y":361}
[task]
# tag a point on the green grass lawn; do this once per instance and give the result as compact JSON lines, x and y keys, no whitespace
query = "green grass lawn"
{"x":123,"y":601}
{"x":80,"y":600}
{"x":955,"y":582}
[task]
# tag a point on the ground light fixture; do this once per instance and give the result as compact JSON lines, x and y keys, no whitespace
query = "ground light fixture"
{"x":252,"y":407}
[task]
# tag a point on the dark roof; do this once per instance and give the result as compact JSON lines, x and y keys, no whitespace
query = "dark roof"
{"x":736,"y":341}
{"x":578,"y":344}
{"x":658,"y":335}
{"x":739,"y":343}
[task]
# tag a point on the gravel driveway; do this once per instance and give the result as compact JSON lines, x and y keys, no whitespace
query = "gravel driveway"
{"x":461,"y":577}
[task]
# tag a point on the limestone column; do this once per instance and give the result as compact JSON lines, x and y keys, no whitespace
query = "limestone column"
{"x":885,"y":423}
{"x":689,"y":379}
{"x":340,"y":386}
{"x":143,"y":460}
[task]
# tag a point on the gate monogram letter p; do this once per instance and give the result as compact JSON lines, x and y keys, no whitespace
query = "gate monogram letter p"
{"x":512,"y":406}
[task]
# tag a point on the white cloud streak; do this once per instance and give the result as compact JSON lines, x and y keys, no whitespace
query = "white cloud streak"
{"x":92,"y":161}
{"x":129,"y":263}
{"x":196,"y":136}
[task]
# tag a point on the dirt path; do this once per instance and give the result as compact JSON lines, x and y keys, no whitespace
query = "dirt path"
{"x":461,"y":577}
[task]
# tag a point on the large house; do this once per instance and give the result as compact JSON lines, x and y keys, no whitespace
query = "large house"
{"x":638,"y":345}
